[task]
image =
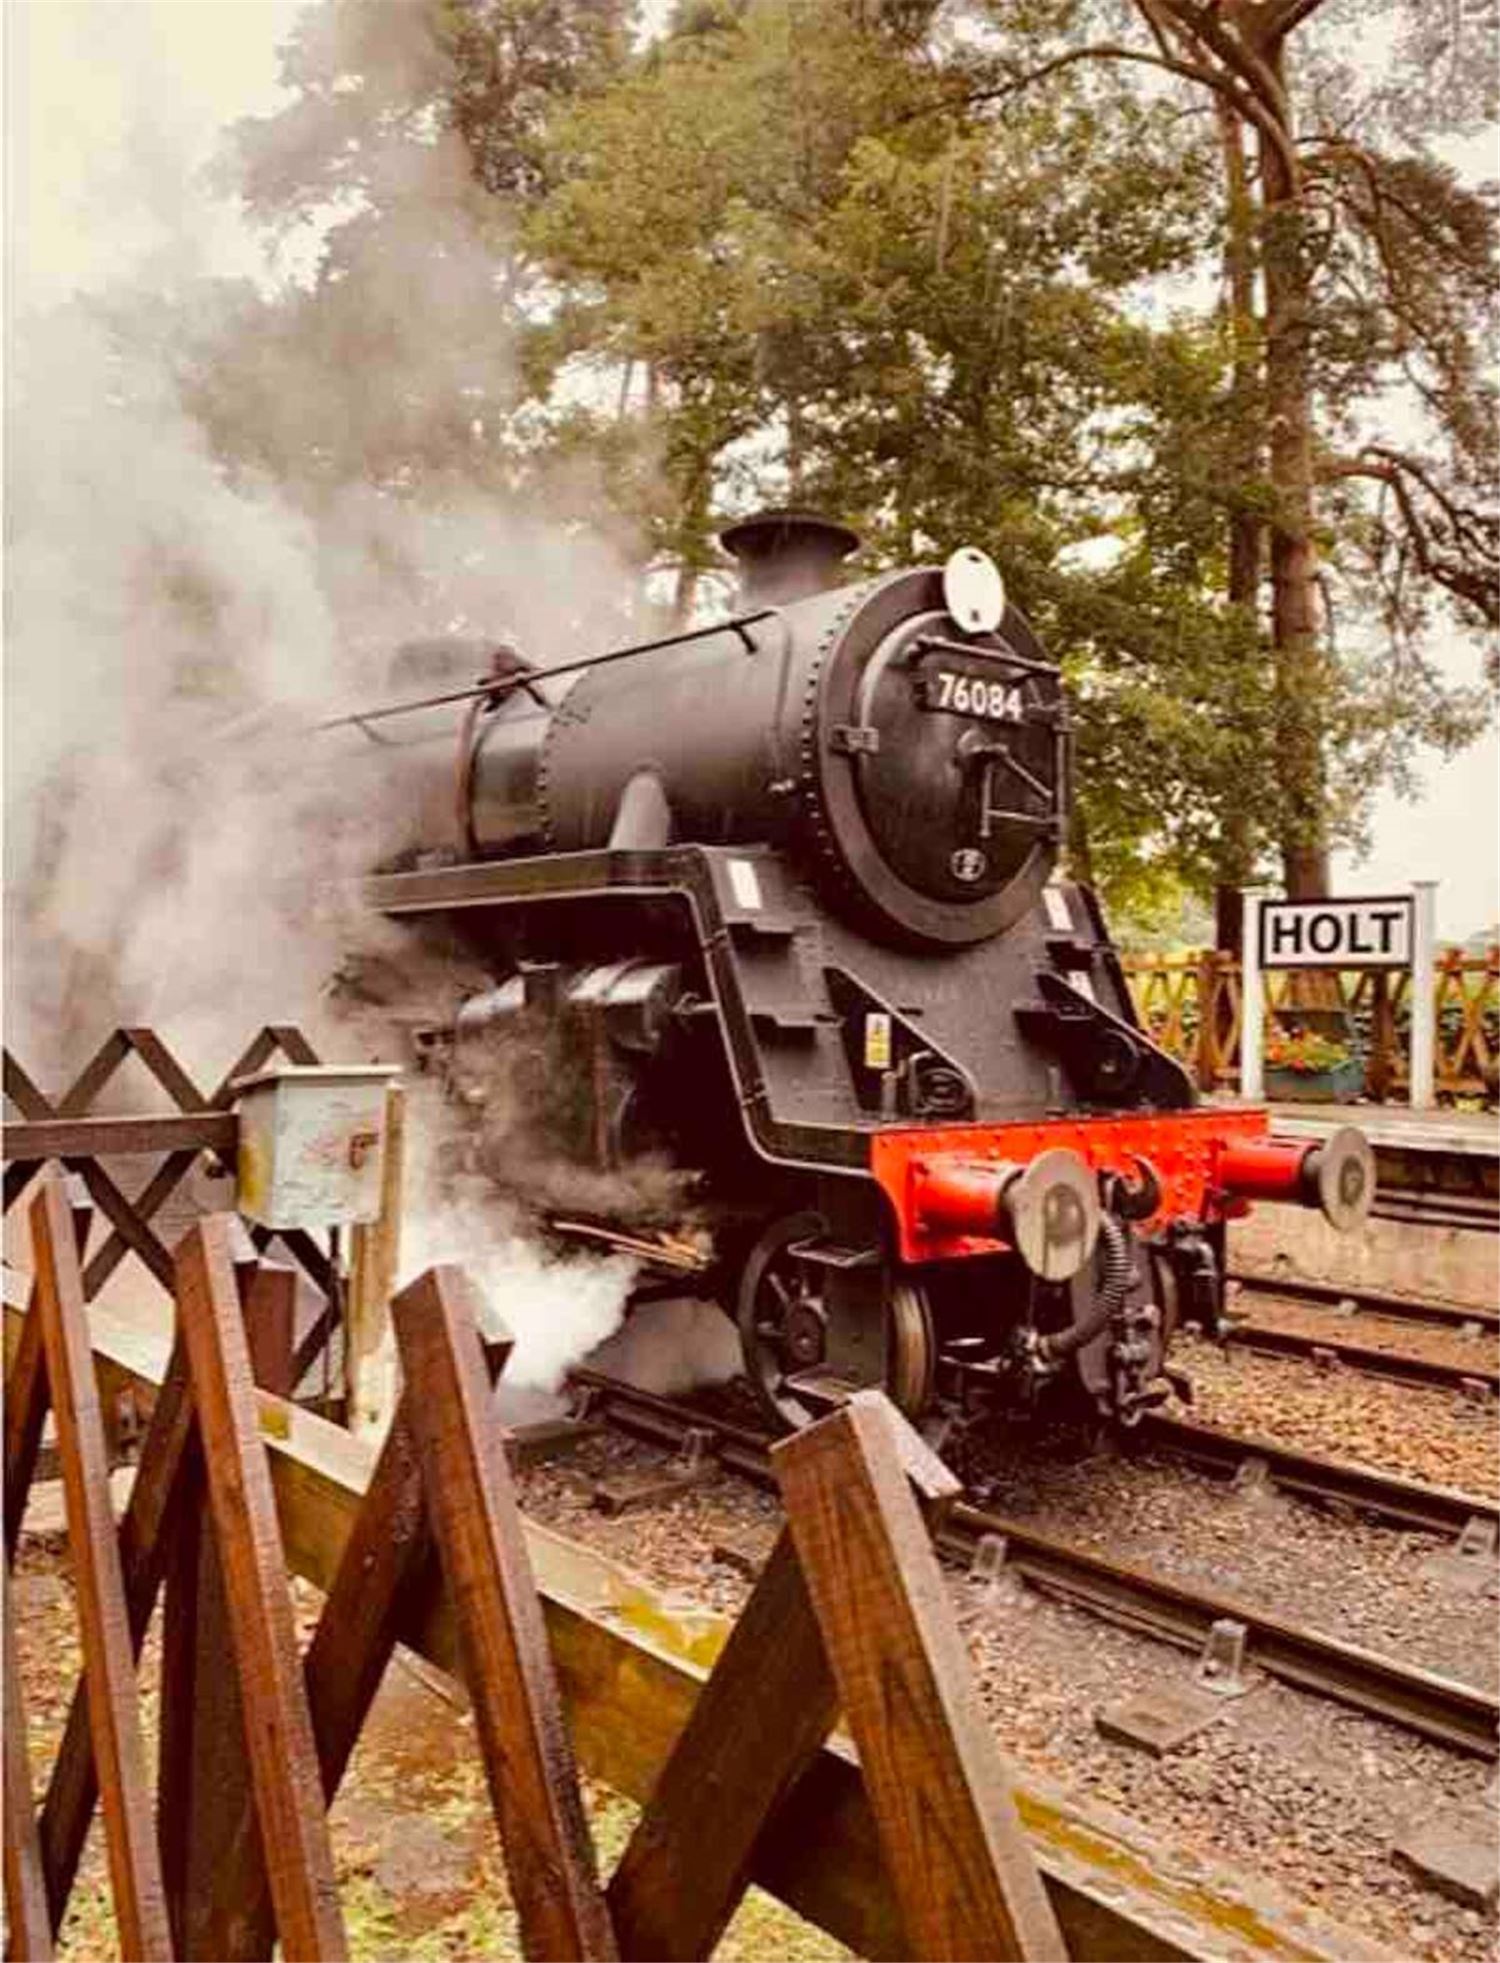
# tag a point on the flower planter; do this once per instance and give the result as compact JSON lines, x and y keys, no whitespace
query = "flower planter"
{"x":1344,"y":1084}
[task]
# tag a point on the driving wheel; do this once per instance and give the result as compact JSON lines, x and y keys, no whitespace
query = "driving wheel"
{"x":783,"y":1323}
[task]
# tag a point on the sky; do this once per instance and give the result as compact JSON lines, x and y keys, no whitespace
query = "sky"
{"x":113,"y":106}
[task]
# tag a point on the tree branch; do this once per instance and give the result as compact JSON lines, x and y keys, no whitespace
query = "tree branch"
{"x":1248,"y":106}
{"x":1239,"y":58}
{"x":1467,"y":562}
{"x":1284,"y":15}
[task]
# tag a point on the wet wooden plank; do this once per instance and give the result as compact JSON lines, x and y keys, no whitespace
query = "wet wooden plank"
{"x":146,"y":1531}
{"x":26,"y":1392}
{"x":218,"y":1801}
{"x":631,"y":1668}
{"x":277,"y":1728}
{"x":758,"y":1724}
{"x":165,"y":1068}
{"x":28,"y":1926}
{"x":108,"y":1656}
{"x":502,"y":1637}
{"x":386,"y":1584}
{"x":963,"y":1874}
{"x":67,"y":1138}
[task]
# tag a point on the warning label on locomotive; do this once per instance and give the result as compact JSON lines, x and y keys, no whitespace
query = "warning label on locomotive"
{"x":973,"y":695}
{"x":877,"y":1041}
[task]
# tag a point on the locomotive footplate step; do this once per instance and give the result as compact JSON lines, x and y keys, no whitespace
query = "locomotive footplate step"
{"x":1454,"y":1852}
{"x":693,"y":1465}
{"x":1158,"y":1721}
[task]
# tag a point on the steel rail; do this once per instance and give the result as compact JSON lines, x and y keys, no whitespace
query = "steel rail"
{"x":1384,"y":1495}
{"x":1400,"y":1308}
{"x":1455,"y":1714}
{"x":1399,"y":1365}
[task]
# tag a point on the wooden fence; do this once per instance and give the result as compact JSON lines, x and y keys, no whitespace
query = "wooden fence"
{"x":1191,"y":1005}
{"x":67,"y":1127}
{"x":253,"y":1740}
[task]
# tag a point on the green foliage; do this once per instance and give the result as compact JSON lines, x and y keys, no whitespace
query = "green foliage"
{"x":849,"y":256}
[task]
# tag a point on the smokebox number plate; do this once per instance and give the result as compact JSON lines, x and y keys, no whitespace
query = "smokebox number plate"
{"x":954,"y":693}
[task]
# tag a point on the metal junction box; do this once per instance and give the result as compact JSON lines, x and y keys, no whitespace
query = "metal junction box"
{"x":311,"y":1140}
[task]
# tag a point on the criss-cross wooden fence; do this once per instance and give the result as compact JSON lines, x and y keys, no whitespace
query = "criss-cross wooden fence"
{"x":69,"y":1127}
{"x":234,"y":1858}
{"x":1191,"y":1005}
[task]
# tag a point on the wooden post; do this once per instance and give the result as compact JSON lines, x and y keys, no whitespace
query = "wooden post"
{"x":150,"y":1518}
{"x":108,"y":1656}
{"x":277,"y":1729}
{"x":26,"y":1391}
{"x":954,"y":1849}
{"x":376,"y":1256}
{"x":757,"y":1725}
{"x":1206,"y":1046}
{"x":502,"y":1638}
{"x":387,"y":1580}
{"x":203,"y":1787}
{"x":29,"y":1928}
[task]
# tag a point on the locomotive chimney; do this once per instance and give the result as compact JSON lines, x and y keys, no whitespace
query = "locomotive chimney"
{"x":785,"y":555}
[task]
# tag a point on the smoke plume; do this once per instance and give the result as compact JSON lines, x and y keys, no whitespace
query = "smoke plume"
{"x":228,"y":503}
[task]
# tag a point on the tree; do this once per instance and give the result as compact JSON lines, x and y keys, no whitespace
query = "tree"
{"x":1374,"y":267}
{"x":927,"y":329}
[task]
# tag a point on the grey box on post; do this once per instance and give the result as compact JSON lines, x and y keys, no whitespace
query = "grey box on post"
{"x":311,"y":1142}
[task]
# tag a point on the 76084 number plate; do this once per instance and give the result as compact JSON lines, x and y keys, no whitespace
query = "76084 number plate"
{"x":958,"y":694}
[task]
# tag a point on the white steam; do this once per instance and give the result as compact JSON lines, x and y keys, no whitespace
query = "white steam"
{"x":224,"y":511}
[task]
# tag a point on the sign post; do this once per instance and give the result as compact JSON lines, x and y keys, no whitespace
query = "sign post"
{"x":1382,"y":931}
{"x":1424,"y":996}
{"x":1252,"y":1000}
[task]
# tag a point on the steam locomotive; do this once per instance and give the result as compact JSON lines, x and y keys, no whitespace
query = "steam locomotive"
{"x":777,"y":899}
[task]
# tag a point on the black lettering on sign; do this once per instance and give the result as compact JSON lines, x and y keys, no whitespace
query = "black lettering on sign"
{"x":1386,"y":918}
{"x":1324,"y":932}
{"x":1336,"y":933}
{"x":1286,"y":933}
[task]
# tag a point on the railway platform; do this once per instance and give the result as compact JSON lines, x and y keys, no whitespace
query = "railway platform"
{"x":1436,"y":1212}
{"x":1437,"y":1168}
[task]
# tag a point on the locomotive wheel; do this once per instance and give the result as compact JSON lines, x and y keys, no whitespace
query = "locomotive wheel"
{"x":783,"y":1323}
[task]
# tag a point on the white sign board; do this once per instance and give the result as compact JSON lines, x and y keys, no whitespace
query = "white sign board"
{"x":1387,"y":932}
{"x":1336,"y":933}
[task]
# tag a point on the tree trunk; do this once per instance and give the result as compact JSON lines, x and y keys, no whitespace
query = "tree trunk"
{"x":1236,"y":856}
{"x":1301,"y":678}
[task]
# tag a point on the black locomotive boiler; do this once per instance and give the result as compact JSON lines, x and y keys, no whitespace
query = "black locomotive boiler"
{"x":788,"y":883}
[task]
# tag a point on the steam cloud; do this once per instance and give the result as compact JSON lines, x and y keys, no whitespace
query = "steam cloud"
{"x":208,"y":549}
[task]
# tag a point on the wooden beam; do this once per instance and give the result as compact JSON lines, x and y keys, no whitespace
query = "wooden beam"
{"x":71,"y":1138}
{"x":518,"y":1718}
{"x":376,"y":1255}
{"x":631,"y":1664}
{"x":387,"y":1581}
{"x":278,"y":1732}
{"x":108,"y":1657}
{"x":145,"y":1532}
{"x":760,"y":1722}
{"x":26,"y":1392}
{"x":958,"y":1860}
{"x":29,"y":1930}
{"x":204,"y":1795}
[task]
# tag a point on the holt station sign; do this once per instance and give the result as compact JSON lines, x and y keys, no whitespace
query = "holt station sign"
{"x":1364,"y":933}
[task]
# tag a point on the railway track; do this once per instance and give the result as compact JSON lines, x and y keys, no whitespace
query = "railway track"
{"x":1399,"y":1308}
{"x":1453,"y":1713}
{"x":1380,"y":1495}
{"x":1399,"y":1365}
